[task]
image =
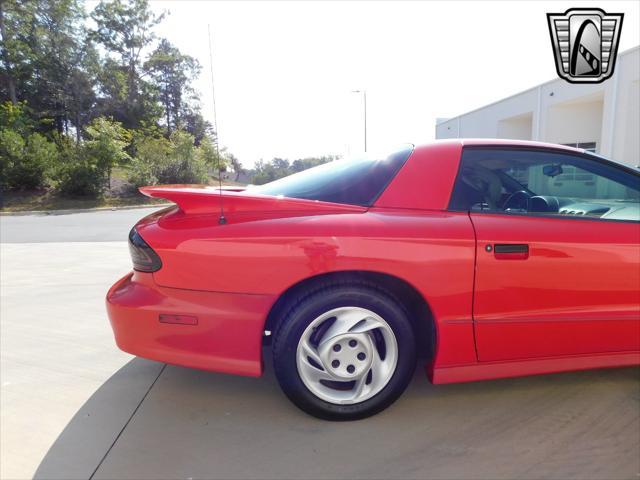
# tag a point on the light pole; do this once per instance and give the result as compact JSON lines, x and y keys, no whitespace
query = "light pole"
{"x":364,"y":97}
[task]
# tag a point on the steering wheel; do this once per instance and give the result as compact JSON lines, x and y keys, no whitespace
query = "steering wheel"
{"x":519,"y":200}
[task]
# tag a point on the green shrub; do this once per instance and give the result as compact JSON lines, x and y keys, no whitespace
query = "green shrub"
{"x":162,"y":161}
{"x":106,"y":143}
{"x":85,"y":169}
{"x":78,"y":174}
{"x":141,"y":173}
{"x":152,"y":153}
{"x":80,"y":178}
{"x":11,"y":148}
{"x":25,"y":162}
{"x":184,"y":165}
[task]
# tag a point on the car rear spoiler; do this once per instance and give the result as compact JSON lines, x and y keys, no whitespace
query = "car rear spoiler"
{"x":204,"y":199}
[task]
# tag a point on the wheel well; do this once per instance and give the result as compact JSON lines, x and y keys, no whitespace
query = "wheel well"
{"x":415,"y":304}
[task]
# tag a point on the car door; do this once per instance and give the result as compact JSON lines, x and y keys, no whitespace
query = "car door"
{"x":557,"y":252}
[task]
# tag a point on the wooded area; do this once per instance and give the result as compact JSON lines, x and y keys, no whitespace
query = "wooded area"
{"x":83,"y":93}
{"x":86,"y":94}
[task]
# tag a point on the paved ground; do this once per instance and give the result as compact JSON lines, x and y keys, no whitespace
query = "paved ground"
{"x":73,"y":406}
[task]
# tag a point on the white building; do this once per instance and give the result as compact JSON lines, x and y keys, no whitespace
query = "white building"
{"x":604,"y":117}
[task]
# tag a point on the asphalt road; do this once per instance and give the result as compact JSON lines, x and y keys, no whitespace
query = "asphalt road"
{"x":74,"y":406}
{"x":92,"y":226}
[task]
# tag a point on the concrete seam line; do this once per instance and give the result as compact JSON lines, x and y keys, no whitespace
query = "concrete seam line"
{"x":135,"y":410}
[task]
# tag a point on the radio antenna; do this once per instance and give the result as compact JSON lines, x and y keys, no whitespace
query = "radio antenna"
{"x":221,"y":220}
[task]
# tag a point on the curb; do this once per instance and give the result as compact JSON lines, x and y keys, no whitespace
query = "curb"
{"x":82,"y":210}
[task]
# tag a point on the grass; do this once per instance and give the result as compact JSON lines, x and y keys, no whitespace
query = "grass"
{"x":48,"y":201}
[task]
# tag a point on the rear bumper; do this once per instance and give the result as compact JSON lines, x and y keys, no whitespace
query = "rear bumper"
{"x":227,"y":337}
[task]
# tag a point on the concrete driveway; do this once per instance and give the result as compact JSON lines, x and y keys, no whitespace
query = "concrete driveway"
{"x":73,"y":406}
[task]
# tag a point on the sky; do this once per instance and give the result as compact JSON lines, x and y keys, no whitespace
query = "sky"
{"x":284,"y":72}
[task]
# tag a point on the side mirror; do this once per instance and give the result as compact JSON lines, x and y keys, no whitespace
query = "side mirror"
{"x":552,"y":170}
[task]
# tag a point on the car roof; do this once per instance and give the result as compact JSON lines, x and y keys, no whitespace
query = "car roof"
{"x":501,"y":142}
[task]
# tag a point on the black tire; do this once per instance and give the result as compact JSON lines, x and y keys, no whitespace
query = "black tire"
{"x":304,"y":309}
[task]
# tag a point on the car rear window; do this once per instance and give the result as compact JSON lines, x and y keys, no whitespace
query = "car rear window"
{"x":358,"y":181}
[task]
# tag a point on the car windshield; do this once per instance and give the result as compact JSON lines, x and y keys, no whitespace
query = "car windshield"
{"x":357,"y":181}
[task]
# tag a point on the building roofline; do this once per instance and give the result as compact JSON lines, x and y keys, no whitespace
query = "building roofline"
{"x":626,"y":52}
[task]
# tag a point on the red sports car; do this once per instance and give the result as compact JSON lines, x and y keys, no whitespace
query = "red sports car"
{"x":482,"y":258}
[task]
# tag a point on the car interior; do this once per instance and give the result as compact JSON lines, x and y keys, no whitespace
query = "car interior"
{"x":521,"y":185}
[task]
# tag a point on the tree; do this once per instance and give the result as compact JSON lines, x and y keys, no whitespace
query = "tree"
{"x":236,"y":166}
{"x":281,"y":166}
{"x":278,"y":167}
{"x":209,"y":154}
{"x":125,"y":29}
{"x":309,"y":162}
{"x":7,"y":73}
{"x":194,"y":123}
{"x":76,"y":100}
{"x":269,"y":171}
{"x":81,"y":97}
{"x":17,"y":55}
{"x":17,"y":117}
{"x":172,"y":73}
{"x":44,"y":55}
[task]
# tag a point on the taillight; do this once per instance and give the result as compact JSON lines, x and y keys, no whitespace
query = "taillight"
{"x":143,"y":256}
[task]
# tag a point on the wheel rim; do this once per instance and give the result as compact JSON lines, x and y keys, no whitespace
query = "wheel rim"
{"x":347,"y":355}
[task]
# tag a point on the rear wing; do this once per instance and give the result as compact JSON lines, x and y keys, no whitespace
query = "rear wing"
{"x":194,"y":199}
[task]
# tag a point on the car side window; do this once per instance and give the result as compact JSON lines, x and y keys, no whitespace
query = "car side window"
{"x":535,"y":182}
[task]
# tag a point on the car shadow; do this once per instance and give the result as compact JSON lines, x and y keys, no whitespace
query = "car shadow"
{"x":148,"y":420}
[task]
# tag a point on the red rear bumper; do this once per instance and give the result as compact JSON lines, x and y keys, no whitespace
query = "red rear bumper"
{"x":227,"y":337}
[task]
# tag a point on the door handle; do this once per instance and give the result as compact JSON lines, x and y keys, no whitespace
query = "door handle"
{"x":511,"y":251}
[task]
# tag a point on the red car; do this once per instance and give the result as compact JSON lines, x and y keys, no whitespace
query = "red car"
{"x":482,"y":258}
